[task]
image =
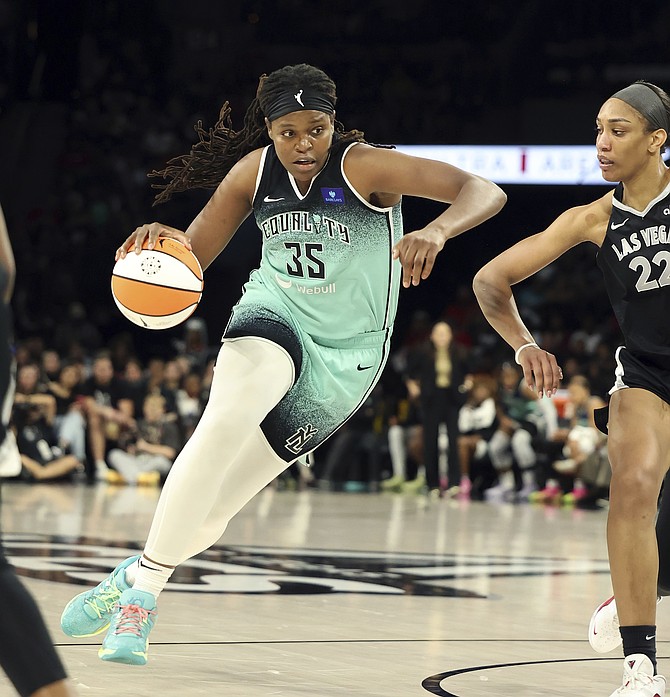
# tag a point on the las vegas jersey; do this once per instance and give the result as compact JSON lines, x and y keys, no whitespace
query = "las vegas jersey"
{"x":635,"y":261}
{"x":327,"y":254}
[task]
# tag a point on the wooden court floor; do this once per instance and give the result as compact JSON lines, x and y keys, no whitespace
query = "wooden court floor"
{"x":330,"y":594}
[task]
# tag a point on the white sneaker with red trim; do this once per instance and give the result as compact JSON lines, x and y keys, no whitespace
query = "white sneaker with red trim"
{"x":604,"y":635}
{"x":639,"y":679}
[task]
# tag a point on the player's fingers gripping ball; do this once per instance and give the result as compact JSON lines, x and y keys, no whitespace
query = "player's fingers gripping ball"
{"x":158,"y":288}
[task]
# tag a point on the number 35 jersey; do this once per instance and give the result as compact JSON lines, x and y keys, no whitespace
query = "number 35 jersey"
{"x":635,"y":261}
{"x":327,"y":254}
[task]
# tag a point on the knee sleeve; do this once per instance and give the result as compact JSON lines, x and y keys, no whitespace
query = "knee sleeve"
{"x":26,"y":653}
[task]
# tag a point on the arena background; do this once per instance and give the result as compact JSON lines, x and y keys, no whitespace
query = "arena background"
{"x":96,"y":93}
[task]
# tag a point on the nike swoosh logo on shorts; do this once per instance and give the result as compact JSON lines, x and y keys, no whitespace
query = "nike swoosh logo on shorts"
{"x":363,"y":367}
{"x":649,"y":638}
{"x":614,"y":226}
{"x":269,"y":199}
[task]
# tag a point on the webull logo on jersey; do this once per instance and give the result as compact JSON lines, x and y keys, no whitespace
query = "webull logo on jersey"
{"x":649,"y":237}
{"x":287,"y":283}
{"x":302,"y":221}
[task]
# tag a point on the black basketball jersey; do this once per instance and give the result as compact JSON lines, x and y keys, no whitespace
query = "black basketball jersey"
{"x":635,"y":261}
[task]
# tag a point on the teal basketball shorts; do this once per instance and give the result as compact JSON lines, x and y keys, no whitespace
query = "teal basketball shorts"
{"x":332,"y":377}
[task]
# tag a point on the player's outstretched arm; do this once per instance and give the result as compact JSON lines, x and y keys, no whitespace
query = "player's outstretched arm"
{"x":493,"y":287}
{"x":473,"y":200}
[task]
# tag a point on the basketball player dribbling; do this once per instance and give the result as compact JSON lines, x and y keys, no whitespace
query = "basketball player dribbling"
{"x":37,"y":672}
{"x":630,"y":226}
{"x":309,"y":338}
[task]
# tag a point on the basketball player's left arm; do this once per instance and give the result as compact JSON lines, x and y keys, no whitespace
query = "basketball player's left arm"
{"x":217,"y":222}
{"x":384,"y":175}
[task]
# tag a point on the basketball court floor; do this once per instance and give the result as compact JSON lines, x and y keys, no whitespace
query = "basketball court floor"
{"x":315,"y":594}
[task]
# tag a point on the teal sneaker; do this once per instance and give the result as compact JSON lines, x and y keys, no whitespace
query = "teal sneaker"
{"x":90,"y":612}
{"x":127,"y":639}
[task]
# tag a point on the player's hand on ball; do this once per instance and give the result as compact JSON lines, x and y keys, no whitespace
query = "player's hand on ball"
{"x":150,"y":232}
{"x":417,"y":252}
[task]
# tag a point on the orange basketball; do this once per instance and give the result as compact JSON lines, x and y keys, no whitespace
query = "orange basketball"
{"x":160,"y":287}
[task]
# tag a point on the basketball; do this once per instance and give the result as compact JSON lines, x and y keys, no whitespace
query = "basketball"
{"x":158,"y":288}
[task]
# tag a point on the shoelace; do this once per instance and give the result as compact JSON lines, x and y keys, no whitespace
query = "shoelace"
{"x":635,"y":681}
{"x":131,"y":618}
{"x":104,"y":600}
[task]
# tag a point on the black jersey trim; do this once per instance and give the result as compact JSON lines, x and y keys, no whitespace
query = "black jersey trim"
{"x":622,"y":206}
{"x":259,"y":174}
{"x":294,"y":183}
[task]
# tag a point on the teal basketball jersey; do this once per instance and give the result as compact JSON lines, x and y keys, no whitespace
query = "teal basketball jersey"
{"x":326,"y":292}
{"x":327,"y":254}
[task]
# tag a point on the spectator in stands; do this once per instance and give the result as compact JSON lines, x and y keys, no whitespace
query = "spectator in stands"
{"x":109,"y":411}
{"x":582,"y":438}
{"x":150,"y":449}
{"x":435,"y":373}
{"x":405,"y":434}
{"x":520,"y":419}
{"x":30,"y":391}
{"x":69,"y":423}
{"x":51,"y":364}
{"x":136,"y":381}
{"x":477,"y":422}
{"x":41,"y":457}
{"x":190,"y":403}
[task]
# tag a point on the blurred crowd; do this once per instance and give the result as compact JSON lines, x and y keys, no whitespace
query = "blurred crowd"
{"x":442,"y":422}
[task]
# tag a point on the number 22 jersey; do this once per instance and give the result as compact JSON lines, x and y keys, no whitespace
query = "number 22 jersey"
{"x":635,"y":261}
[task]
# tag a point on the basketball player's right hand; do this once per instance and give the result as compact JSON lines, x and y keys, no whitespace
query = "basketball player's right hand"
{"x":417,"y":251}
{"x":540,"y":371}
{"x":150,"y":232}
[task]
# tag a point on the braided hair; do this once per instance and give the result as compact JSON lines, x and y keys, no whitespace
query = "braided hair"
{"x":221,"y":147}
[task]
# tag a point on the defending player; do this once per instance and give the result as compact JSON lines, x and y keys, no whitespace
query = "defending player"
{"x":630,"y":227}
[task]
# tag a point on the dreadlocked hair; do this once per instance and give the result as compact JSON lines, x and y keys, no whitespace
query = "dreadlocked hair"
{"x":221,"y":147}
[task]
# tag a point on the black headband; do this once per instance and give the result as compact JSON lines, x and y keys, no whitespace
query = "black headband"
{"x":647,"y":102}
{"x":301,"y":100}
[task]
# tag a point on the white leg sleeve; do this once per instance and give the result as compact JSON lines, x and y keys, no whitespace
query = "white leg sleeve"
{"x":226,"y":461}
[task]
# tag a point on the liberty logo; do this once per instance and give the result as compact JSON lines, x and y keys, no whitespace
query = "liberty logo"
{"x":296,"y":443}
{"x":298,"y":98}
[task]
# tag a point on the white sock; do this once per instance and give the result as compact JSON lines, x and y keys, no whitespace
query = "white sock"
{"x":148,"y":576}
